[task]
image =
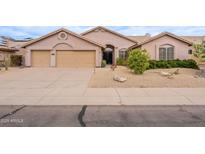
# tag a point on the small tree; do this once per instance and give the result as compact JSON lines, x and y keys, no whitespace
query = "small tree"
{"x":199,"y":50}
{"x":138,"y":61}
{"x":16,"y":60}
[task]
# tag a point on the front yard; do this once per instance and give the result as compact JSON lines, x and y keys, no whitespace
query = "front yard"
{"x":103,"y":78}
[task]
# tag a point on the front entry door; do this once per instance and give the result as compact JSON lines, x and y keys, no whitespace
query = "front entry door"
{"x":107,"y":56}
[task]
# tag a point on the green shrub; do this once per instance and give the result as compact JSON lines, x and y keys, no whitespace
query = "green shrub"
{"x":104,"y":63}
{"x":122,"y":62}
{"x":154,"y":64}
{"x":16,"y":60}
{"x":138,"y":61}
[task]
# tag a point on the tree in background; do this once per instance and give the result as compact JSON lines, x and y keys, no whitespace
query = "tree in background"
{"x":199,"y":50}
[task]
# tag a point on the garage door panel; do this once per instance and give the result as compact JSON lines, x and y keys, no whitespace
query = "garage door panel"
{"x":40,"y":58}
{"x":75,"y":58}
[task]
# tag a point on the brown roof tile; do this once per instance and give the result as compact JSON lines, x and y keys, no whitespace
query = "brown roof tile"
{"x":139,"y":39}
{"x":194,"y":39}
{"x":5,"y":48}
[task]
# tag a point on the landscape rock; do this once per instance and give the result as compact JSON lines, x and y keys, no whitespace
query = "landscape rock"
{"x":202,"y":72}
{"x":119,"y":78}
{"x":165,"y":73}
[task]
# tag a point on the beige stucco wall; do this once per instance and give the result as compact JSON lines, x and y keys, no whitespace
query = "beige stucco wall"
{"x":105,"y":38}
{"x":180,"y":48}
{"x":53,"y":43}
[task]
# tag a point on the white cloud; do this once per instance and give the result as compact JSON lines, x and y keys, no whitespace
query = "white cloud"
{"x":21,"y":32}
{"x":79,"y":29}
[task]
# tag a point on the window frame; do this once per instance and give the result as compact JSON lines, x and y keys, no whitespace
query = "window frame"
{"x":165,"y":55}
{"x":123,"y":53}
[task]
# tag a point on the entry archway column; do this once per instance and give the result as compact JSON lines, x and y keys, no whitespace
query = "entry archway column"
{"x":28,"y":58}
{"x":115,"y":49}
{"x":53,"y":58}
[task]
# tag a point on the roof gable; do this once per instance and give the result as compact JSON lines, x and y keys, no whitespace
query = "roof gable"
{"x":159,"y":36}
{"x":108,"y":30}
{"x":58,"y":31}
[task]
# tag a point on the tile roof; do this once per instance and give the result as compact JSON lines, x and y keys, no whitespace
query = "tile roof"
{"x":5,"y":48}
{"x":139,"y":39}
{"x":194,"y":39}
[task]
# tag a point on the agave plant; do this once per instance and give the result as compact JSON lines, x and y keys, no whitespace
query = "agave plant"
{"x":199,"y":50}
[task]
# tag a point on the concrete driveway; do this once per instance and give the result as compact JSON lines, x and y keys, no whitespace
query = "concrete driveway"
{"x":56,"y":86}
{"x":33,"y":86}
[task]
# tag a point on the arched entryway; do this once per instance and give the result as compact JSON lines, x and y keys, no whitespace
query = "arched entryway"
{"x":108,"y":54}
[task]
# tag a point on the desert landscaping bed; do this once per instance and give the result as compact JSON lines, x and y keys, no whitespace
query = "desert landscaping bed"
{"x":187,"y":78}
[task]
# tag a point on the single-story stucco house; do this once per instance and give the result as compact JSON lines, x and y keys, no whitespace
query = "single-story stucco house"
{"x":9,"y":46}
{"x":64,"y":48}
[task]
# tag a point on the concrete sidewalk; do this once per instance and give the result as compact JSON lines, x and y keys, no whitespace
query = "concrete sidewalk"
{"x":103,"y":96}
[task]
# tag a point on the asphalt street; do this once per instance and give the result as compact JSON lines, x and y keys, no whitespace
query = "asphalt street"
{"x":102,"y":116}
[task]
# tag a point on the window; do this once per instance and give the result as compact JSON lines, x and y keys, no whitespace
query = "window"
{"x":166,"y":52}
{"x":190,"y":52}
{"x":162,"y":53}
{"x":123,"y":53}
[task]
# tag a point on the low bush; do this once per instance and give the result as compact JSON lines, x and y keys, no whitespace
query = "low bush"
{"x":104,"y":63}
{"x":121,"y":62}
{"x":16,"y":60}
{"x":138,"y":61}
{"x":154,"y":64}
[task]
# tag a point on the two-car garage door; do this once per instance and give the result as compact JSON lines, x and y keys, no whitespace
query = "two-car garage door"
{"x":64,"y":58}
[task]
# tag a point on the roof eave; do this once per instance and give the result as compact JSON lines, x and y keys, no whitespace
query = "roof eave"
{"x":88,"y":31}
{"x":57,"y":31}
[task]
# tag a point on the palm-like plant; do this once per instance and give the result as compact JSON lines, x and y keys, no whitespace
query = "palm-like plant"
{"x":199,"y":50}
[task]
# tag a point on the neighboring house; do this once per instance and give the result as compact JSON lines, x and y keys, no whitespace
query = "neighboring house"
{"x":5,"y":51}
{"x":63,"y":48}
{"x":166,"y":46}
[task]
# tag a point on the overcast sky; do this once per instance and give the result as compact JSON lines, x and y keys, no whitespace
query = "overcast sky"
{"x":23,"y":32}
